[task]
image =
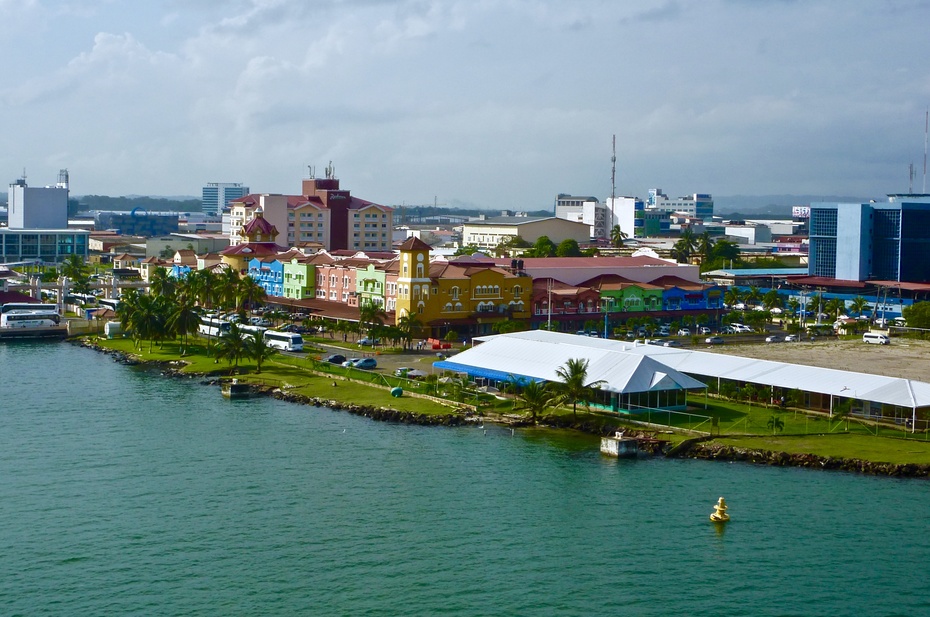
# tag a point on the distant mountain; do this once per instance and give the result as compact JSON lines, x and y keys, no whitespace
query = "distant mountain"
{"x":778,"y":206}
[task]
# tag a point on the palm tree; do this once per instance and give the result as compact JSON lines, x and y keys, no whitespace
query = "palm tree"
{"x":161,"y":284}
{"x":732,"y":296}
{"x":859,"y":305}
{"x":370,"y":314}
{"x":617,"y":236}
{"x":74,"y":267}
{"x":574,"y":386}
{"x":256,"y":348}
{"x":753,"y":296}
{"x":833,"y":307}
{"x":776,"y":424}
{"x":231,"y":346}
{"x":184,"y":320}
{"x":249,"y":292}
{"x":535,"y":397}
{"x":705,"y":248}
{"x":409,"y":326}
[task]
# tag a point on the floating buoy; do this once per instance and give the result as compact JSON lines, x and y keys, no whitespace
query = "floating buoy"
{"x":719,"y":515}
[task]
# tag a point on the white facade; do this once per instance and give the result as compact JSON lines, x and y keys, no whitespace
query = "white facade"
{"x":622,"y":212}
{"x":749,"y":234}
{"x":216,"y":196}
{"x":587,"y":210}
{"x":38,"y":207}
{"x":490,"y":233}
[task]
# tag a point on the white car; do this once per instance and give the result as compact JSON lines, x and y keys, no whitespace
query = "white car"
{"x":684,"y":332}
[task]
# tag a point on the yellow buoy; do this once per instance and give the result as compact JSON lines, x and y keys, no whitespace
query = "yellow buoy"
{"x":719,"y":515}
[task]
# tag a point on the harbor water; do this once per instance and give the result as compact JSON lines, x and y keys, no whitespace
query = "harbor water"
{"x":123,"y":492}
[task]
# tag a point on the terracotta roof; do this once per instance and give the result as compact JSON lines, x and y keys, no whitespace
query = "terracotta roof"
{"x":15,"y":296}
{"x":414,"y":244}
{"x":674,"y":281}
{"x":259,"y":224}
{"x":253,"y":249}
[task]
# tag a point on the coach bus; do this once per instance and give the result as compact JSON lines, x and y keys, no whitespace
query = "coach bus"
{"x":211,"y":326}
{"x":286,"y":341}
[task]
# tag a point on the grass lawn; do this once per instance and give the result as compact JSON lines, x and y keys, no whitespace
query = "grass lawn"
{"x":282,"y":371}
{"x":865,"y":447}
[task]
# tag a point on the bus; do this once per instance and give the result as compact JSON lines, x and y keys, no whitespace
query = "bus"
{"x":287,"y":341}
{"x":211,"y":326}
{"x":27,"y":306}
{"x":33,"y":318}
{"x":251,"y":331}
{"x":109,"y":303}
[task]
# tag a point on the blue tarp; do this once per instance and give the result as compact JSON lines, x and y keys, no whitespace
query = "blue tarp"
{"x":474,"y":371}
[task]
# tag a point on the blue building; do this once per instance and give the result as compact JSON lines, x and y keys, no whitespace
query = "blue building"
{"x":216,"y":196}
{"x":872,"y":241}
{"x":268,"y":272}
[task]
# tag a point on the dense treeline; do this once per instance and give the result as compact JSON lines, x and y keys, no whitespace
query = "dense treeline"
{"x":149,"y":204}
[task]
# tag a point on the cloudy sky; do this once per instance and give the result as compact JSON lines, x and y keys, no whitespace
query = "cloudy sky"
{"x":491,"y":103}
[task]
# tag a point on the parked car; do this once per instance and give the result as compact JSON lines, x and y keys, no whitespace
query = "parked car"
{"x":684,"y":332}
{"x":703,"y":330}
{"x":671,"y":344}
{"x":369,"y":341}
{"x":657,"y":341}
{"x":773,"y":338}
{"x":367,"y":364}
{"x":336,"y":358}
{"x":664,"y":331}
{"x":714,"y":340}
{"x":727,"y":330}
{"x":791,"y":338}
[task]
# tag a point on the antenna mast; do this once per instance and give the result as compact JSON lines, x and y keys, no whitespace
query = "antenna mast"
{"x":613,"y":171}
{"x":926,"y":126}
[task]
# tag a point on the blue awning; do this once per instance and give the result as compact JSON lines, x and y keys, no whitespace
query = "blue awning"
{"x":475,"y":371}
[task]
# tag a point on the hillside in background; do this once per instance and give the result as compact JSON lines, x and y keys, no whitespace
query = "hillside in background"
{"x":774,"y":206}
{"x":129,"y":203}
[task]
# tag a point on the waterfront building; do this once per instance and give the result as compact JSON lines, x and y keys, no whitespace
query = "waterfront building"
{"x":216,"y":196}
{"x":872,"y":241}
{"x":38,"y":225}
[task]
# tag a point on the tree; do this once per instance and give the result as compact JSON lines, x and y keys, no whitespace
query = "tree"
{"x":249,"y":293}
{"x":543,"y":247}
{"x":535,"y":397}
{"x":574,"y":385}
{"x":859,"y":305}
{"x":617,"y":236}
{"x":776,"y":423}
{"x":162,"y":284}
{"x":732,"y":296}
{"x":409,"y":327}
{"x":917,"y":315}
{"x":370,"y":314}
{"x":231,"y":347}
{"x":705,"y":248}
{"x":256,"y":348}
{"x":183,"y":320}
{"x":568,"y":248}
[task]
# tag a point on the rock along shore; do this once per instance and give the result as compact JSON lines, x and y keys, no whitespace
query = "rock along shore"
{"x":696,"y":449}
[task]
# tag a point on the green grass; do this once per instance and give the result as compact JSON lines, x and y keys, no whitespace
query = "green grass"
{"x":282,"y":371}
{"x":865,"y":447}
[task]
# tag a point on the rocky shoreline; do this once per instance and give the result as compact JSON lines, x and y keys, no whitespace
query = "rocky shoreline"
{"x":696,"y":449}
{"x":708,"y":450}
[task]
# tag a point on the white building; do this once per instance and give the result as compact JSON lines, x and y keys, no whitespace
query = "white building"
{"x":587,"y":210}
{"x":216,"y":196}
{"x":38,"y":225}
{"x":487,"y":233}
{"x":700,"y":205}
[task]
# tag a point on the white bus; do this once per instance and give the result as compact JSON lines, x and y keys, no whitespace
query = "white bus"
{"x":27,"y":306}
{"x":109,"y":303}
{"x":211,"y":326}
{"x":288,"y":341}
{"x":251,"y":331}
{"x":32,"y":318}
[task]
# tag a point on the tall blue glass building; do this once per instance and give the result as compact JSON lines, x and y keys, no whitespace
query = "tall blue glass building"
{"x":872,"y":241}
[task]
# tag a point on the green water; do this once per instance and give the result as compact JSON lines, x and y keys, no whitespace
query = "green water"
{"x":126,"y":493}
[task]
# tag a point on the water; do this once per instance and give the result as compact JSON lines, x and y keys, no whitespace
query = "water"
{"x":125,"y":493}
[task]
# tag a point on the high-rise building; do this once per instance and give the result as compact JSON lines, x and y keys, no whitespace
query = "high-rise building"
{"x":218,"y":195}
{"x":38,"y":225}
{"x":872,"y":241}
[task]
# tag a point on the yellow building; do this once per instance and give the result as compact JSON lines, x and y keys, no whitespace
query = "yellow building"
{"x":466,"y":296}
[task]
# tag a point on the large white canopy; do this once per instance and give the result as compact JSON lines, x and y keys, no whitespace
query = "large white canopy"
{"x":628,"y":367}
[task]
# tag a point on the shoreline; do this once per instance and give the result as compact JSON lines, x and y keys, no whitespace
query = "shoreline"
{"x":700,"y":448}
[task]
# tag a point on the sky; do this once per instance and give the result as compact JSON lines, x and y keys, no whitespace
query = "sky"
{"x":498,"y":104}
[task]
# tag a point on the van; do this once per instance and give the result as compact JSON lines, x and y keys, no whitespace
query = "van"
{"x":876,"y":338}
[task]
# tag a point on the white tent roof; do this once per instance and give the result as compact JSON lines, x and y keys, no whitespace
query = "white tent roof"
{"x":540,"y":359}
{"x":538,"y":353}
